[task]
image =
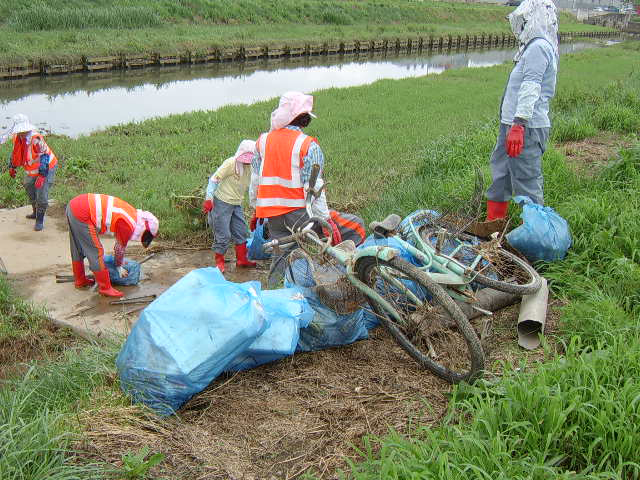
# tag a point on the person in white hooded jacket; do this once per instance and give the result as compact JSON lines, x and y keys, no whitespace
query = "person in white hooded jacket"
{"x":516,"y":161}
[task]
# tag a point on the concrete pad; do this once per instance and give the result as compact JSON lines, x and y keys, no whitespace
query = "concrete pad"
{"x":32,"y":260}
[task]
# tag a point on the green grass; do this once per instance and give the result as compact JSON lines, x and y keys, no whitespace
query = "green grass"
{"x":38,"y":416}
{"x":69,"y":29}
{"x":385,"y":131}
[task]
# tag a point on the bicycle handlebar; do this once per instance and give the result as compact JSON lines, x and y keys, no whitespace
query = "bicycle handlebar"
{"x":304,"y":232}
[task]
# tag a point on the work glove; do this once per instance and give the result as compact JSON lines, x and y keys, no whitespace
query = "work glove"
{"x":336,"y":238}
{"x":123,"y":272}
{"x":253,"y":222}
{"x":40,"y":181}
{"x":207,"y":206}
{"x":12,"y":172}
{"x":515,"y":140}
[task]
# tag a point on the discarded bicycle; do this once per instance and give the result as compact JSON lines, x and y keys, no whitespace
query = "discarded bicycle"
{"x":414,"y":303}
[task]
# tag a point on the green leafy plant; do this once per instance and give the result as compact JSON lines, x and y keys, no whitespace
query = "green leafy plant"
{"x":136,"y":466}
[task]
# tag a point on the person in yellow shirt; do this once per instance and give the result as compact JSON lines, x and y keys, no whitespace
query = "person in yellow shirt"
{"x":223,"y":204}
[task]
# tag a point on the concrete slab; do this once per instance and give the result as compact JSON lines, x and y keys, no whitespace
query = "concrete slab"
{"x":32,"y":260}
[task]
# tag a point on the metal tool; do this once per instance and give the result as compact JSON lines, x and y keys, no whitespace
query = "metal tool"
{"x":132,"y":300}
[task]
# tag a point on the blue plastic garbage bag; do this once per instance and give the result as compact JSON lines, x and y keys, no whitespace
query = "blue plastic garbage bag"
{"x":256,"y":241}
{"x":330,"y":329}
{"x":132,"y":267}
{"x":544,"y":235}
{"x":327,"y":328}
{"x":392,"y":242}
{"x":287,"y":311}
{"x":187,"y":336}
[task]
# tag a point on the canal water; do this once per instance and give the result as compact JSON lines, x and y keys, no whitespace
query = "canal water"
{"x":79,"y":104}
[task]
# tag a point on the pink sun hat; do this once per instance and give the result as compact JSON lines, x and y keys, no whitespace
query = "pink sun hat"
{"x":291,"y":105}
{"x":245,"y":152}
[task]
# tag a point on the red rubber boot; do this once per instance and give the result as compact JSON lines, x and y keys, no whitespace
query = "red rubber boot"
{"x":104,"y":282}
{"x":241,"y":257}
{"x":80,"y":278}
{"x":496,"y":210}
{"x":220,"y":261}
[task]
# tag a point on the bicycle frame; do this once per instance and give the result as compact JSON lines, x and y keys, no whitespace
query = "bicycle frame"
{"x":444,"y":269}
{"x":350,"y":259}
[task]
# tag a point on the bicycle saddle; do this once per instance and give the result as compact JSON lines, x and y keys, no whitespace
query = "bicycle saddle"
{"x":387,"y":226}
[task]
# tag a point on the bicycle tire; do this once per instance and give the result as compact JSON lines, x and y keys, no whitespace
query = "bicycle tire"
{"x":503,"y":264}
{"x":415,"y":343}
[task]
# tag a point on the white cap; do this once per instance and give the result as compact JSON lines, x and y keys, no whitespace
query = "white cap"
{"x":21,"y":123}
{"x":291,"y":105}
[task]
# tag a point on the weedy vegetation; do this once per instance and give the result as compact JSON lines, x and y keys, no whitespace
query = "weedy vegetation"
{"x":61,"y":29}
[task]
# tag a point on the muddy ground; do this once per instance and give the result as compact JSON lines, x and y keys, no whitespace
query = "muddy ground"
{"x":306,"y":414}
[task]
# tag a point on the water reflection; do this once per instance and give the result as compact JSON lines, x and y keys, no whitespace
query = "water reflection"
{"x":82,"y":103}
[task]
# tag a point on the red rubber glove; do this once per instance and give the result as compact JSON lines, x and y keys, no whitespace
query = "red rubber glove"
{"x":515,"y":140}
{"x":207,"y":206}
{"x":253,"y":222}
{"x":12,"y":172}
{"x":40,"y":181}
{"x":336,"y":238}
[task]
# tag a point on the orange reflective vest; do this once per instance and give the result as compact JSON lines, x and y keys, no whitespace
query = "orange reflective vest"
{"x":28,"y":156}
{"x":106,"y":210}
{"x":280,"y":188}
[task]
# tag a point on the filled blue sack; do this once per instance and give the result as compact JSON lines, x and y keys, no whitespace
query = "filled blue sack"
{"x":287,"y":311}
{"x":256,"y":241}
{"x":327,"y":328}
{"x":187,"y":336}
{"x":132,"y":267}
{"x":544,"y":235}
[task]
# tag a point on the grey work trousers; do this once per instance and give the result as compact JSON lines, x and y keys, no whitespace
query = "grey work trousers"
{"x":279,"y":227}
{"x":521,"y":175}
{"x":39,"y":197}
{"x":84,"y":242}
{"x":227,"y":222}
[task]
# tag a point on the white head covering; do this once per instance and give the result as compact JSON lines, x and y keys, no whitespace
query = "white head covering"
{"x":244,"y":154}
{"x":291,"y":105}
{"x":145,"y":219}
{"x":21,"y":123}
{"x":534,"y":19}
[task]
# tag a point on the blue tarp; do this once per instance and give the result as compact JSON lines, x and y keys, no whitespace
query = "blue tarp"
{"x":187,"y":336}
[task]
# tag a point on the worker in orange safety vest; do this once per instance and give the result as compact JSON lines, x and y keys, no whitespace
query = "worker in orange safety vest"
{"x":281,"y":169}
{"x":93,"y":214}
{"x":32,"y":153}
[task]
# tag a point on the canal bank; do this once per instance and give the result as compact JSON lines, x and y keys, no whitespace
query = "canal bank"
{"x":67,"y":104}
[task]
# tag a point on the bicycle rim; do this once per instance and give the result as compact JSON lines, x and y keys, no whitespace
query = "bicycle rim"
{"x":497,"y":268}
{"x":436,"y":334}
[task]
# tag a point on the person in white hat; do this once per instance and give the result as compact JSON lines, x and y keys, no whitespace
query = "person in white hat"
{"x":32,"y":153}
{"x":516,"y":161}
{"x":282,"y":167}
{"x":223,"y":205}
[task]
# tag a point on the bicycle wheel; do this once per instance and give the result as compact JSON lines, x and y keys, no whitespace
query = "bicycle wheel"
{"x":497,"y":268}
{"x":437,"y":334}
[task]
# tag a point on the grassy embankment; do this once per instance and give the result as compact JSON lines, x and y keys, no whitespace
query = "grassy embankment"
{"x":578,"y":413}
{"x":378,"y":131}
{"x":59,"y":29}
